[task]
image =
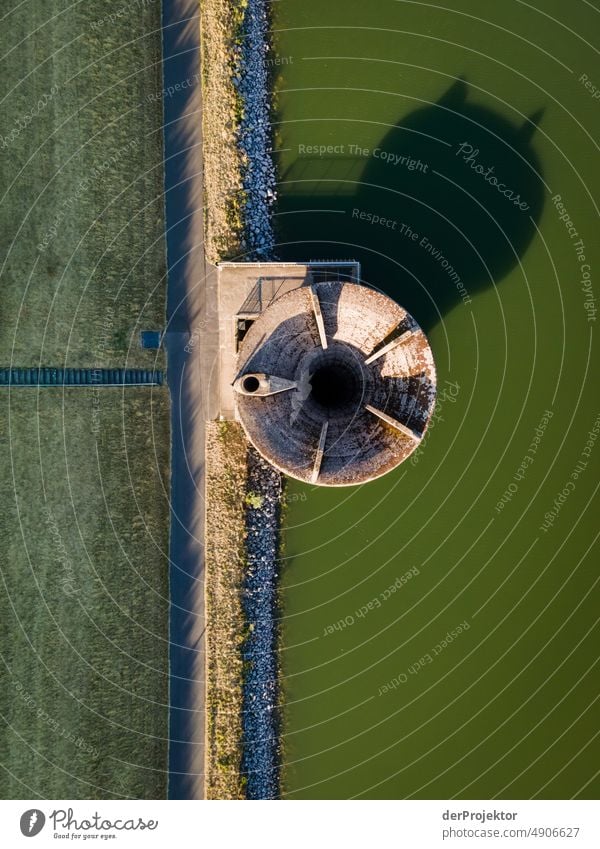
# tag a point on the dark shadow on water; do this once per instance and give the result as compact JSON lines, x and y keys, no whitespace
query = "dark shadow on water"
{"x":469,"y":233}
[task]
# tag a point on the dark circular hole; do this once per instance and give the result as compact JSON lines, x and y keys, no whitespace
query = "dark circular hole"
{"x":251,"y":384}
{"x":335,"y":385}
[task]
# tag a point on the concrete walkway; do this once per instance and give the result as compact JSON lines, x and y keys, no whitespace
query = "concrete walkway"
{"x":192,"y":346}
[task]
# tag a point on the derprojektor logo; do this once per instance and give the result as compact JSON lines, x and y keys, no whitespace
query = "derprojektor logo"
{"x":32,"y":822}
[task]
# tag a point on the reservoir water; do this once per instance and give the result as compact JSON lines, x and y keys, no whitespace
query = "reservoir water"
{"x":440,"y":630}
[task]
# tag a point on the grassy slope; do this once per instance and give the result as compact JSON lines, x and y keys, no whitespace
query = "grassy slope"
{"x":84,"y":532}
{"x":220,"y":21}
{"x":225,"y":529}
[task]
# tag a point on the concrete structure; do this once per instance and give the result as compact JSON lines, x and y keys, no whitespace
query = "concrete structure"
{"x":245,"y":290}
{"x":333,"y":382}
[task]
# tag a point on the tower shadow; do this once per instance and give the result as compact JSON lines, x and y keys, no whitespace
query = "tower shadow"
{"x":443,"y":207}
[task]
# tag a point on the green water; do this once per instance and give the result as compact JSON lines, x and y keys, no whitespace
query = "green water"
{"x":508,"y":706}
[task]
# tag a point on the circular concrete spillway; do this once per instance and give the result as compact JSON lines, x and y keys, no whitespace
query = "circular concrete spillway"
{"x":336,"y":384}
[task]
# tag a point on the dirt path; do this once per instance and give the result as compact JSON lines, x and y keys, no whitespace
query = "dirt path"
{"x":192,"y":345}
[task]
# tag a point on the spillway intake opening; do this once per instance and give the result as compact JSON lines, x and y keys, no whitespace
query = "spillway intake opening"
{"x":336,"y":384}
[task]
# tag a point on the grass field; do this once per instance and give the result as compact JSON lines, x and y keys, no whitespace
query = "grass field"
{"x":84,"y":594}
{"x":81,"y":210}
{"x":84,"y":473}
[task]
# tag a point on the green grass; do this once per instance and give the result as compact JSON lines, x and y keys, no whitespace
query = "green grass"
{"x":85,"y":176}
{"x":84,"y":473}
{"x":84,"y":595}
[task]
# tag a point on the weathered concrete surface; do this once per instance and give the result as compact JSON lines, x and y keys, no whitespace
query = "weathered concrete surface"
{"x":237,"y":281}
{"x":341,"y":384}
{"x":248,"y":288}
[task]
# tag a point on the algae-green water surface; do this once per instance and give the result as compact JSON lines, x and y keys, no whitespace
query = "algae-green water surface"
{"x":440,"y":625}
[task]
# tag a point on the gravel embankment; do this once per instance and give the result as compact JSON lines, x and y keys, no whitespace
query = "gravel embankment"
{"x":239,"y":176}
{"x":258,"y":174}
{"x":239,"y":187}
{"x":260,"y":721}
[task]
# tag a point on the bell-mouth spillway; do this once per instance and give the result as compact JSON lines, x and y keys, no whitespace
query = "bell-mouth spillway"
{"x":336,"y":379}
{"x":335,"y":383}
